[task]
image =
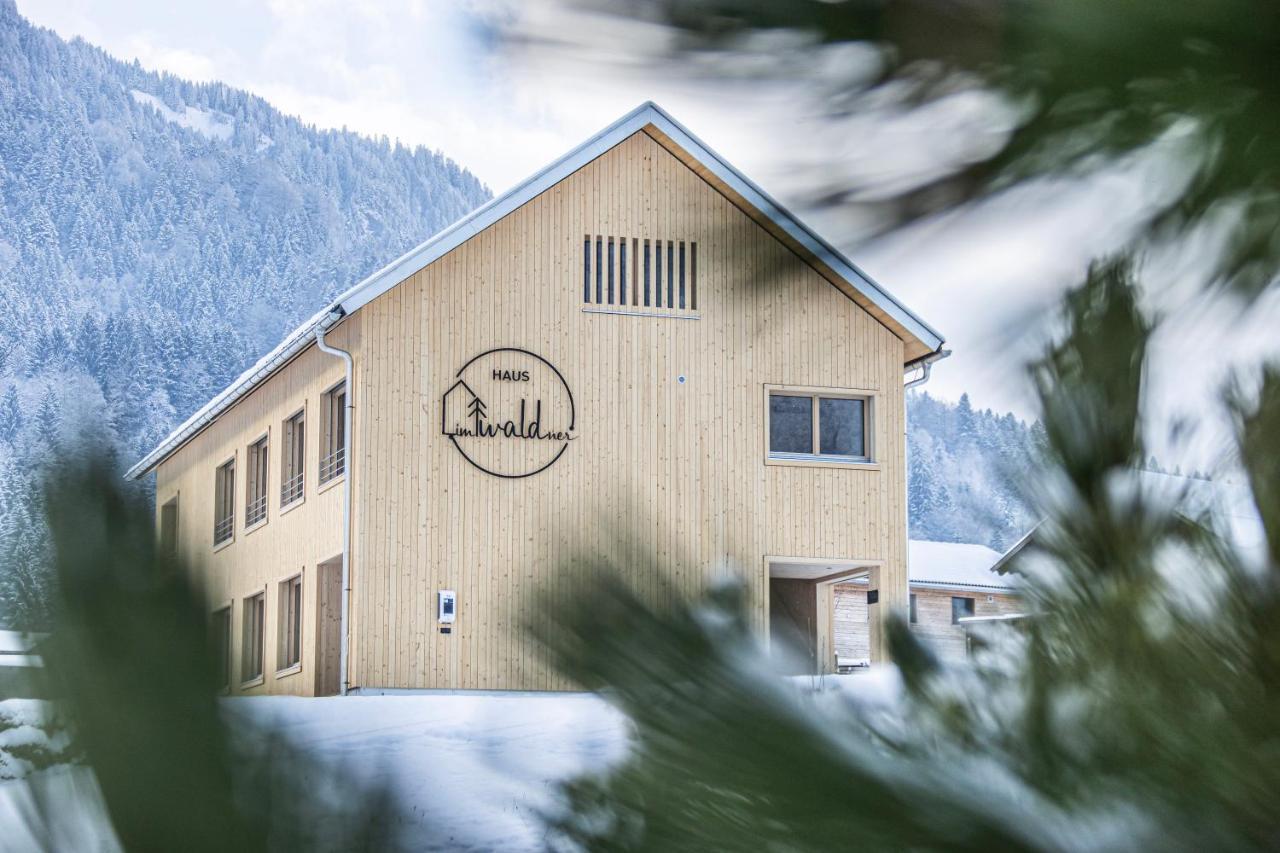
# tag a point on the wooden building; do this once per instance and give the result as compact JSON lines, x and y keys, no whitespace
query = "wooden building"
{"x":635,"y":344}
{"x":951,"y":584}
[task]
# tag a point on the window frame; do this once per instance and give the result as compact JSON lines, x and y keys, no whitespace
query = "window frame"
{"x":220,"y":490}
{"x":264,"y":497}
{"x":223,"y":654}
{"x":255,"y":679}
{"x":334,"y":424}
{"x":287,"y":455}
{"x":868,"y":461}
{"x":973,"y":607}
{"x":283,"y":589}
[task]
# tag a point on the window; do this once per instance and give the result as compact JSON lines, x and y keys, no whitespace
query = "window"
{"x":224,"y":503}
{"x":960,"y":608}
{"x":832,"y":426}
{"x":221,"y":642}
{"x":333,"y":408}
{"x":255,"y":483}
{"x":255,"y":607}
{"x":635,"y":273}
{"x":913,"y":617}
{"x":289,"y":629}
{"x":292,"y":457}
{"x":169,"y":529}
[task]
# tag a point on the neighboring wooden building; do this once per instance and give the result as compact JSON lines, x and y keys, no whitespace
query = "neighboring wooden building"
{"x":949,"y":583}
{"x":636,"y":342}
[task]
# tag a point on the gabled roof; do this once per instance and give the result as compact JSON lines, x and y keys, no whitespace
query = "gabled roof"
{"x":920,"y":339}
{"x":952,"y":565}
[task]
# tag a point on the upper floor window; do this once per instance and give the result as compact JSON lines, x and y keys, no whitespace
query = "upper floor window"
{"x":640,"y":275}
{"x":961,"y":608}
{"x":255,"y":491}
{"x":826,"y":425}
{"x":224,"y":502}
{"x":333,"y":461}
{"x":293,"y":457}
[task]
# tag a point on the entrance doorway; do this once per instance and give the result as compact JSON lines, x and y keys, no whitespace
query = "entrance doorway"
{"x":329,"y":628}
{"x":802,"y":610}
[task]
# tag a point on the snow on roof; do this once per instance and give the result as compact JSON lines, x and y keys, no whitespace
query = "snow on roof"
{"x":954,"y":564}
{"x":647,"y":115}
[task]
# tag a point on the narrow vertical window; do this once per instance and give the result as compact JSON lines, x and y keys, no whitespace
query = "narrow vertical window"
{"x":599,"y":277}
{"x":671,"y":262}
{"x":169,"y":529}
{"x":251,"y":637}
{"x":220,"y":639}
{"x":610,"y":273}
{"x":622,"y":271}
{"x":693,"y":276}
{"x":224,"y":502}
{"x":914,"y":617}
{"x":586,"y":269}
{"x":657,"y":273}
{"x":292,"y":484}
{"x":647,"y":295}
{"x":635,"y":270}
{"x":682,"y":299}
{"x":255,"y":483}
{"x":289,"y":629}
{"x":333,"y":441}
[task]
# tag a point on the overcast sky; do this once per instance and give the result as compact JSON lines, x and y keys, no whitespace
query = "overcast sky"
{"x":422,"y":72}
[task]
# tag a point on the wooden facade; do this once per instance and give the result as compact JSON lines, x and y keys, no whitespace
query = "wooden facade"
{"x":667,"y":448}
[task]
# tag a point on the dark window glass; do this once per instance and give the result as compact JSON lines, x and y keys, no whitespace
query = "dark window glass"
{"x":960,"y":608}
{"x":840,"y":427}
{"x":586,"y":269}
{"x":610,"y":271}
{"x":599,"y":271}
{"x":622,"y":271}
{"x":913,"y":608}
{"x":790,"y":424}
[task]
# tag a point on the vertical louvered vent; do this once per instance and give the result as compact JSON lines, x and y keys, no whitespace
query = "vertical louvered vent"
{"x":641,"y":274}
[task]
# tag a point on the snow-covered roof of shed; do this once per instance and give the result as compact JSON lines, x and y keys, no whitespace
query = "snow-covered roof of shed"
{"x":649,"y":117}
{"x":954,"y":565}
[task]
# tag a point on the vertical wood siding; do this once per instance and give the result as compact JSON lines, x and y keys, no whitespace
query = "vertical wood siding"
{"x":677,"y":467}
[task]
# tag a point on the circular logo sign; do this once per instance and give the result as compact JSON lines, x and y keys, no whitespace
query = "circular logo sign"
{"x":509,"y":412}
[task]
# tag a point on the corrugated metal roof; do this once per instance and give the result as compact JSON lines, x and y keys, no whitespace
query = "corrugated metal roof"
{"x":646,"y":115}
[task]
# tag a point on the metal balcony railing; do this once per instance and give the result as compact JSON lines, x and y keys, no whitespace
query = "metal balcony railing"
{"x":223,"y":528}
{"x":255,"y":511}
{"x":291,"y":490}
{"x":333,"y":465}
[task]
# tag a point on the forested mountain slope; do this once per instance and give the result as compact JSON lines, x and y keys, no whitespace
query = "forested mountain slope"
{"x":156,"y":236}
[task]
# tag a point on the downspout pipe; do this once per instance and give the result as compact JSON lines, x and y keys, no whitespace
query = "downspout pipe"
{"x":346,"y":498}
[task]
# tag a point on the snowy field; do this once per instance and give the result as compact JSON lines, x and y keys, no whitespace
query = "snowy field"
{"x":472,"y":771}
{"x":477,"y":769}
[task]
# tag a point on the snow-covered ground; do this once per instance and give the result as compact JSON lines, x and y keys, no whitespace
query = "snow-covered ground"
{"x":478,"y":769}
{"x":471,"y":771}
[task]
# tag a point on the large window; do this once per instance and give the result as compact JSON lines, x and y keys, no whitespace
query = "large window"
{"x":224,"y":502}
{"x":255,"y":607}
{"x":830,"y":426}
{"x":221,"y":641}
{"x":333,"y":461}
{"x":255,"y":483}
{"x":289,"y":629}
{"x":960,"y":608}
{"x":293,"y":456}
